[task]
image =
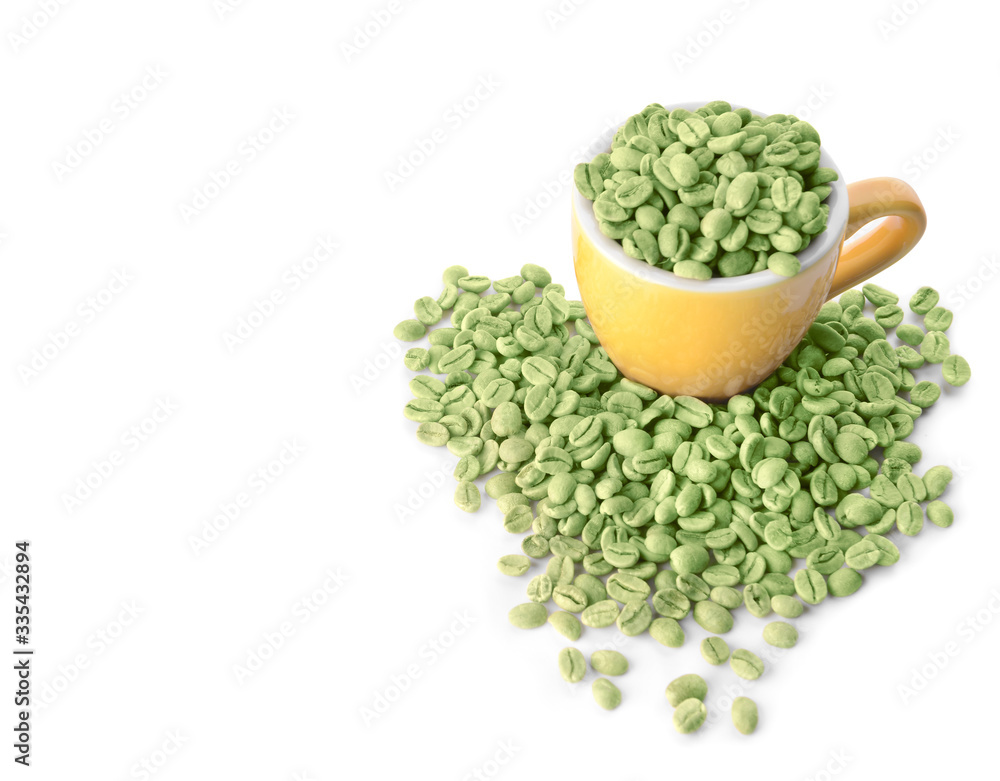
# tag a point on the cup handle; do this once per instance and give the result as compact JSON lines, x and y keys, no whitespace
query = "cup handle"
{"x":878,"y":249}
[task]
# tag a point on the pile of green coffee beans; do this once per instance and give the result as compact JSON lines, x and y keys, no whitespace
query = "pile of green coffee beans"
{"x":714,"y":192}
{"x":650,"y":509}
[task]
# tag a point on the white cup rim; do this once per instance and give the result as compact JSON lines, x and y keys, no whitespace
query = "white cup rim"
{"x":817,"y":249}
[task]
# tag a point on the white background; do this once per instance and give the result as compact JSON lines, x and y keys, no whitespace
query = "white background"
{"x":906,"y":93}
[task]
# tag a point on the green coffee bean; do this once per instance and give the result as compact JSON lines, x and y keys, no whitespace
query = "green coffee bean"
{"x":528,"y":615}
{"x":935,"y":347}
{"x":689,"y":559}
{"x":727,"y":596}
{"x":825,"y":560}
{"x":745,"y":715}
{"x":936,"y":480}
{"x":781,"y":634}
{"x":606,"y":694}
{"x":909,"y":518}
{"x":540,"y":588}
{"x":635,"y":618}
{"x":924,"y":300}
{"x":452,"y":274}
{"x":609,"y":662}
{"x":693,"y":587}
{"x":715,"y":650}
{"x":810,"y":585}
{"x":713,"y":617}
{"x":467,"y":496}
{"x":889,"y":316}
{"x":429,"y":312}
{"x":777,"y":583}
{"x":863,"y":555}
{"x":572,"y":665}
{"x":746,"y":664}
{"x":940,"y":514}
{"x":473,"y":284}
{"x":434,"y":434}
{"x":910,"y":334}
{"x":416,"y":358}
{"x":667,"y":631}
{"x":409,"y":330}
{"x":784,"y":264}
{"x":671,"y":603}
{"x":686,"y":687}
{"x":925,"y":393}
{"x":852,"y":298}
{"x":888,"y":552}
{"x":787,"y":606}
{"x":956,"y":370}
{"x":600,"y":614}
{"x":535,"y":546}
{"x":689,"y":716}
{"x":757,"y":600}
{"x":843,"y":582}
{"x":879,"y":296}
{"x":592,"y":587}
{"x":571,"y":598}
{"x":566,"y":624}
{"x":514,"y":564}
{"x":627,"y":588}
{"x":938,"y":319}
{"x":518,"y":520}
{"x":423,"y":410}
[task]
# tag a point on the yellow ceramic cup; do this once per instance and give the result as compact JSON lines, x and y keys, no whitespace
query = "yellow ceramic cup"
{"x":718,"y":337}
